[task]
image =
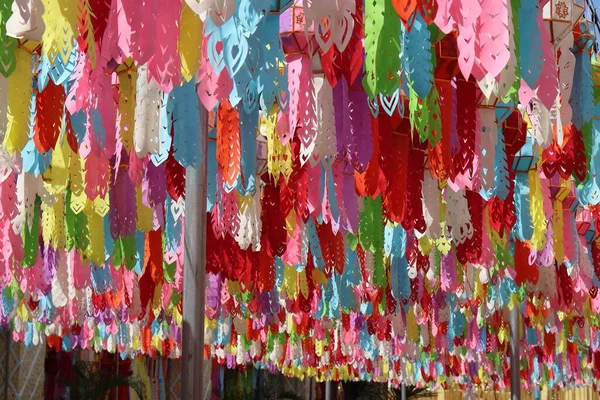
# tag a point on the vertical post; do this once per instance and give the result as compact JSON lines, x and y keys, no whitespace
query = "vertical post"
{"x":6,"y":362}
{"x":192,"y":360}
{"x":327,"y":390}
{"x":515,"y":355}
{"x":403,"y":391}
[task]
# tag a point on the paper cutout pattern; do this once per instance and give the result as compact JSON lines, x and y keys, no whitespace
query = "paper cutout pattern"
{"x":384,"y":182}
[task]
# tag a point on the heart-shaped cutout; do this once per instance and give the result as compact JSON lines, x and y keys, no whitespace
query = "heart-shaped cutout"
{"x":389,"y":103}
{"x":216,"y":53}
{"x":236,"y":50}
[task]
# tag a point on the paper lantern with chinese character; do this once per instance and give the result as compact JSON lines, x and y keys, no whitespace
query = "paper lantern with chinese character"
{"x":560,"y":16}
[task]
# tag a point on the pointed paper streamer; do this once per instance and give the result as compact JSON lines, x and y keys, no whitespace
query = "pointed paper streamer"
{"x":382,"y":47}
{"x":417,"y":61}
{"x":494,"y":36}
{"x":147,"y":115}
{"x":8,"y":45}
{"x":165,"y":65}
{"x":228,"y":143}
{"x":186,"y":125}
{"x":60,"y":35}
{"x":190,"y":42}
{"x":49,"y":115}
{"x":530,"y":51}
{"x":466,"y":14}
{"x":19,"y":98}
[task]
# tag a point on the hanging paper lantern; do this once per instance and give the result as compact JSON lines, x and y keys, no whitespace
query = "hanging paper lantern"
{"x":585,"y":226}
{"x":526,"y":158}
{"x":297,"y":35}
{"x":560,"y":16}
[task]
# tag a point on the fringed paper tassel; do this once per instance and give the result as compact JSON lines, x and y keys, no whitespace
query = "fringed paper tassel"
{"x":510,"y":77}
{"x":582,"y":94}
{"x":431,"y":206}
{"x":126,"y":107}
{"x":413,"y":215}
{"x":34,"y":161}
{"x":228,"y":144}
{"x":591,"y":190}
{"x":547,"y":86}
{"x":147,"y":115}
{"x":457,"y":215}
{"x":530,"y":35}
{"x":86,"y":41}
{"x":489,"y":140}
{"x":325,"y":143}
{"x":493,"y":37}
{"x":566,"y":72}
{"x":60,"y":34}
{"x":501,"y":178}
{"x":418,"y":57}
{"x":19,"y":99}
{"x":360,"y":129}
{"x":122,"y":196}
{"x":348,"y":63}
{"x":213,"y":86}
{"x":466,"y":126}
{"x":471,"y":250}
{"x":8,"y":45}
{"x":48,"y":117}
{"x":381,"y":46}
{"x":444,"y":18}
{"x":305,"y":119}
{"x":466,"y":13}
{"x":524,"y":228}
{"x":140,"y":23}
{"x":186,"y":125}
{"x":539,"y":223}
{"x":395,"y":168}
{"x":190,"y":42}
{"x":165,"y":65}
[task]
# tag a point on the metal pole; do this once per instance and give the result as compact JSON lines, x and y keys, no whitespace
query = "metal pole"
{"x":192,"y":360}
{"x":515,"y":356}
{"x":403,"y":391}
{"x":327,"y":390}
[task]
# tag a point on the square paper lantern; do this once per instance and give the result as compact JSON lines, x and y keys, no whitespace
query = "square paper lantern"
{"x":559,"y":188}
{"x":583,"y":220}
{"x":584,"y":224}
{"x":526,"y":158}
{"x":560,"y":16}
{"x":294,"y":38}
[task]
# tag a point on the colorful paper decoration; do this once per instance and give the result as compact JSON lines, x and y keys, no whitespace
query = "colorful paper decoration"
{"x":385,"y":181}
